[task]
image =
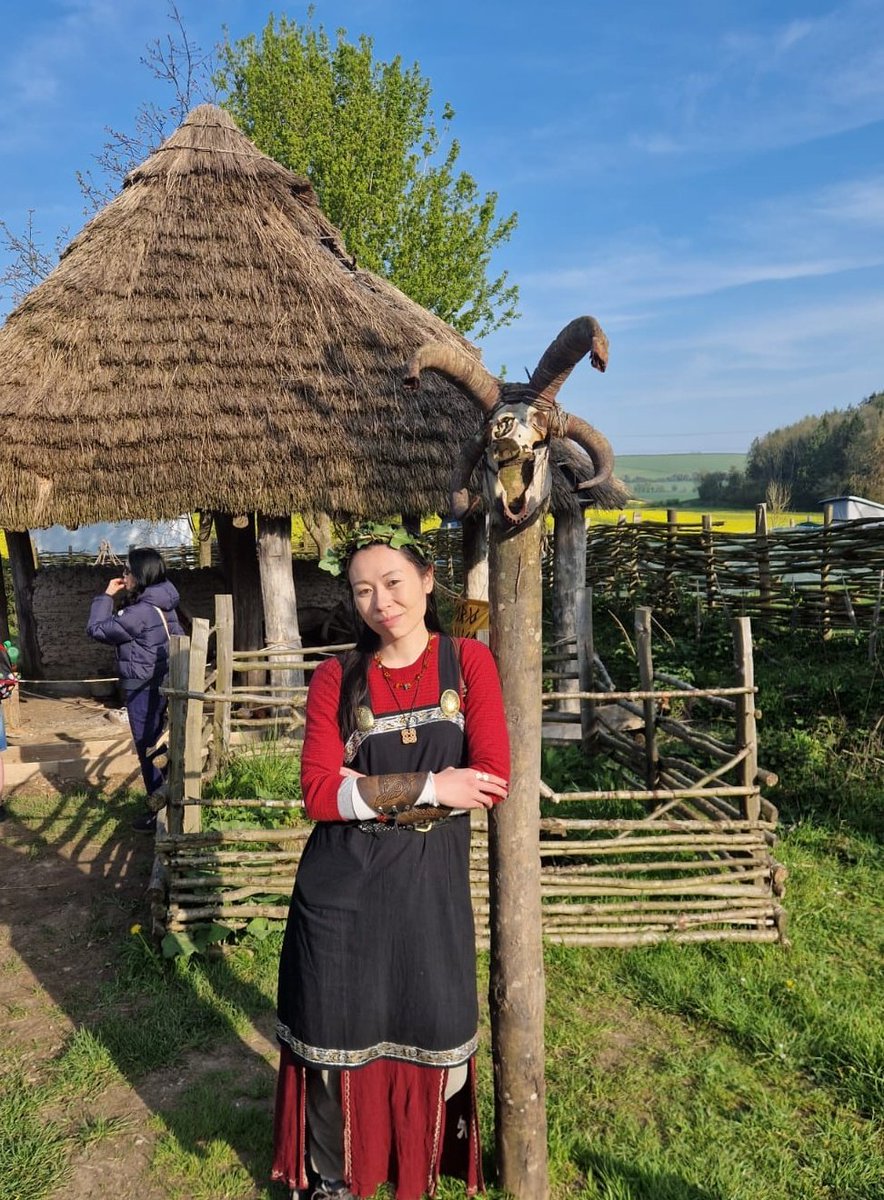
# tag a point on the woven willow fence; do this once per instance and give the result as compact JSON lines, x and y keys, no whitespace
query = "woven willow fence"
{"x":681,"y":851}
{"x":825,"y":578}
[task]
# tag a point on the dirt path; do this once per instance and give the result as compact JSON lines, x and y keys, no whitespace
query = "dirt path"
{"x":64,"y":909}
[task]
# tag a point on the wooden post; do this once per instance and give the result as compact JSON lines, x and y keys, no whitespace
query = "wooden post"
{"x":825,"y":569}
{"x":179,"y":656}
{"x":318,"y":528}
{"x":517,"y":988}
{"x":762,"y":553}
{"x":239,"y":559}
{"x":4,"y":606}
{"x":746,"y":734}
{"x":21,"y":562}
{"x":474,"y":536}
{"x":586,"y":665}
{"x":412,"y":522}
{"x":669,"y":556}
{"x":205,"y":539}
{"x":876,"y":618}
{"x":224,"y":677}
{"x":193,"y":724}
{"x":281,"y":630}
{"x":646,"y":682}
{"x":708,"y":543}
{"x":569,"y":578}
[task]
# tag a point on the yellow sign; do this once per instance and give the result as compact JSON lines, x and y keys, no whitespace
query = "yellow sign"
{"x":470,"y":617}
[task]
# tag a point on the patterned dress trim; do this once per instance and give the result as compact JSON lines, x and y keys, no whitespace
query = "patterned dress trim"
{"x":318,"y":1056}
{"x":397,"y":721}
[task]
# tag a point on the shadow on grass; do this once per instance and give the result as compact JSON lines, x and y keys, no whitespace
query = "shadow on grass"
{"x":615,"y":1179}
{"x":72,"y":883}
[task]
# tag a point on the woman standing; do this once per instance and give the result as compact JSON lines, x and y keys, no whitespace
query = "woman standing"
{"x":378,"y":1010}
{"x":140,"y":631}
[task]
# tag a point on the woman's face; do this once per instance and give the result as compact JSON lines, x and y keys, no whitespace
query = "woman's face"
{"x":389,"y":591}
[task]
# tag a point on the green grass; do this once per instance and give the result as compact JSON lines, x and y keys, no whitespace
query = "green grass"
{"x":718,"y":1072}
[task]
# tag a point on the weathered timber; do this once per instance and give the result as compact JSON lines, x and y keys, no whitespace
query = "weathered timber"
{"x":517,"y":986}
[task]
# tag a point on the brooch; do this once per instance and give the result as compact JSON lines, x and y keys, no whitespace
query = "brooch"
{"x":449,"y":702}
{"x":364,"y":719}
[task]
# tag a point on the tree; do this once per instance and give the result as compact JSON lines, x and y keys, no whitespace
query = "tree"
{"x":362,"y":131}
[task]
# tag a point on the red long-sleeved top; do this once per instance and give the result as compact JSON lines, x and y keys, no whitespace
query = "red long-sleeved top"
{"x":484,"y":720}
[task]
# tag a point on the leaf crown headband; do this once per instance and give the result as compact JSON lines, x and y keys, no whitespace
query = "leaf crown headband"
{"x":336,"y":560}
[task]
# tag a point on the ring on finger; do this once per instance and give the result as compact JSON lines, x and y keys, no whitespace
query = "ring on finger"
{"x":481,"y":777}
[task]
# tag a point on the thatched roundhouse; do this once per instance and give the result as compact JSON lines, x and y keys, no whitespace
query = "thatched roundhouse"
{"x":207,"y":343}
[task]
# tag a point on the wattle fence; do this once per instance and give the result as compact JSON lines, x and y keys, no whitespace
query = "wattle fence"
{"x":822,"y":578}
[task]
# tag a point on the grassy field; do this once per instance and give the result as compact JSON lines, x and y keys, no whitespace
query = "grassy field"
{"x":674,"y":1072}
{"x":666,"y":478}
{"x":723,"y":520}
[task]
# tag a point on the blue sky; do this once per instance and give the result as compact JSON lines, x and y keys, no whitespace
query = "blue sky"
{"x":706,"y":178}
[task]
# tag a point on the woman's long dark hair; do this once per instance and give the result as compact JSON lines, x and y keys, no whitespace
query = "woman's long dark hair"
{"x":355,"y":664}
{"x":147,"y":567}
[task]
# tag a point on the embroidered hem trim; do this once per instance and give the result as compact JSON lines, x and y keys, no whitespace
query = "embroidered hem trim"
{"x":320,"y":1056}
{"x":396,"y":721}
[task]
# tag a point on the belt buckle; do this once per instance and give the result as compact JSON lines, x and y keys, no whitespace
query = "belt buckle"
{"x":424,"y":828}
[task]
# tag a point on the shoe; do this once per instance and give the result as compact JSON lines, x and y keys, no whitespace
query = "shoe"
{"x":332,"y":1189}
{"x":146,"y":823}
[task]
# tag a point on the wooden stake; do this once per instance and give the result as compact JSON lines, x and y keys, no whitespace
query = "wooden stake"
{"x":649,"y":707}
{"x":278,"y":590}
{"x":517,"y":988}
{"x":21,"y":563}
{"x":569,"y":578}
{"x":224,"y":676}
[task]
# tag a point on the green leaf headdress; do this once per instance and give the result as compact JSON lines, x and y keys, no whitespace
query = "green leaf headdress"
{"x":337,"y":559}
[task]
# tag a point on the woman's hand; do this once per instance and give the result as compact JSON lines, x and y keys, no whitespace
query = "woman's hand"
{"x":115,"y":587}
{"x":464,"y":787}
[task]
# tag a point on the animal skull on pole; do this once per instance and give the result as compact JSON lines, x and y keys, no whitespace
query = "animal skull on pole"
{"x":520,"y":419}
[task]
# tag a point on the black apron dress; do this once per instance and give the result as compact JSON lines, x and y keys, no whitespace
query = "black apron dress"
{"x":378,"y":960}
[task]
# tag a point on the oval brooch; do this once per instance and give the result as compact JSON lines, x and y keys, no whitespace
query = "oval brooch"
{"x":364,"y":719}
{"x":449,"y":702}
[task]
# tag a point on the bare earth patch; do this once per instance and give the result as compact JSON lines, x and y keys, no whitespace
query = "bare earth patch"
{"x":70,"y":889}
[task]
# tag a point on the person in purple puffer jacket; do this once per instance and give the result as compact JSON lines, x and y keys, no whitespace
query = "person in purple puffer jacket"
{"x":140,"y":631}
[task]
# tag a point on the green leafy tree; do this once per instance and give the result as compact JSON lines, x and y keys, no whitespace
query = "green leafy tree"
{"x":363,"y":132}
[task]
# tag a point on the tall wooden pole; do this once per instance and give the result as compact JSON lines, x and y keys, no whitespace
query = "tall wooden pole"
{"x":23,"y":570}
{"x":517,"y":988}
{"x":278,"y":590}
{"x":239,"y":561}
{"x":569,"y":577}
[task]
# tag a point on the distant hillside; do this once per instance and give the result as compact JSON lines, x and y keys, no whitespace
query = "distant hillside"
{"x":662,"y":477}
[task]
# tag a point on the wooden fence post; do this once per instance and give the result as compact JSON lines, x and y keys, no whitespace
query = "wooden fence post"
{"x":825,"y":571}
{"x":223,"y":677}
{"x":669,"y":556}
{"x":708,"y":543}
{"x":569,"y":578}
{"x":517,"y":989}
{"x":193,"y":725}
{"x":204,"y":539}
{"x":649,"y":707}
{"x":746,"y":733}
{"x":876,"y":618}
{"x":762,"y":553}
{"x":585,"y":664}
{"x":179,"y":658}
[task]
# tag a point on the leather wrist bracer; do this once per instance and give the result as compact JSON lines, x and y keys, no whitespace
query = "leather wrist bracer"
{"x":390,"y":794}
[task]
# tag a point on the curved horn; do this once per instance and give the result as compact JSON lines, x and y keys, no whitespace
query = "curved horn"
{"x":461,"y":502}
{"x":583,"y":336}
{"x":451,"y":362}
{"x":596,"y":446}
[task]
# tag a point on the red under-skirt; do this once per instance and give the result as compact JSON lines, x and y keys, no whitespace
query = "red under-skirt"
{"x":398,"y":1128}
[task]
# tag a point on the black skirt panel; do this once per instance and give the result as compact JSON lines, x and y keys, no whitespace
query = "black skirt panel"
{"x":378,"y":959}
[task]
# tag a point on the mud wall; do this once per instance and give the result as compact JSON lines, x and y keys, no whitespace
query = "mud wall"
{"x":63,"y":596}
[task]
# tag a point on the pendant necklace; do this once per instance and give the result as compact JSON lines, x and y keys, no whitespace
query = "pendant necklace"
{"x":407,"y":734}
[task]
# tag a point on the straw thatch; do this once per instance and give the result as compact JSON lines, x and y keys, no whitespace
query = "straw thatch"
{"x":206,"y":342}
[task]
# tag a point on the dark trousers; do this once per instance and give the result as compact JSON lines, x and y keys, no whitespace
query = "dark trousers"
{"x":147,"y":716}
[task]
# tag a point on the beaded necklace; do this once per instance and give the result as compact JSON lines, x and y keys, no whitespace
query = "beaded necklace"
{"x":407,"y":734}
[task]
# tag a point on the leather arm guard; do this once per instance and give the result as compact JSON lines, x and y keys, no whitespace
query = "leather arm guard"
{"x":392,"y":794}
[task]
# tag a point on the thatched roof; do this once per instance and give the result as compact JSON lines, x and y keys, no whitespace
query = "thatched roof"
{"x":207,"y":342}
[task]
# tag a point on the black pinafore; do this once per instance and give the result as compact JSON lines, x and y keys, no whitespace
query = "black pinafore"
{"x":378,"y":959}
